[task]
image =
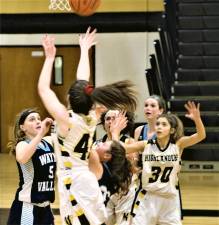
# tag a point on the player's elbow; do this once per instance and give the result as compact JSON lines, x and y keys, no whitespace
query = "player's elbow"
{"x":21,"y":159}
{"x":202,"y":136}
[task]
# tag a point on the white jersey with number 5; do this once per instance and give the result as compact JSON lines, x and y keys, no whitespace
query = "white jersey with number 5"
{"x":160,"y":168}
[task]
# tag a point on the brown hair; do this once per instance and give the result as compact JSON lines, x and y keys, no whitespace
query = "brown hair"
{"x":130,"y":125}
{"x":118,"y":95}
{"x":120,"y":168}
{"x":160,"y":101}
{"x":175,"y":123}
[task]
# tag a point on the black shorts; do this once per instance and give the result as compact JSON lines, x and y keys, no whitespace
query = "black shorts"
{"x":22,"y":213}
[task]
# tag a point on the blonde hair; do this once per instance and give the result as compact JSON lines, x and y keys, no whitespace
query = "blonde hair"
{"x":19,"y":135}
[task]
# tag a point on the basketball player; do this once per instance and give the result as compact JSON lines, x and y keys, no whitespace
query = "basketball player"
{"x":156,"y":200}
{"x":117,"y":182}
{"x":36,"y":165}
{"x":81,"y":201}
{"x":154,"y":106}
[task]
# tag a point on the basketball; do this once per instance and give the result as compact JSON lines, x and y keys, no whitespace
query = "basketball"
{"x":84,"y":7}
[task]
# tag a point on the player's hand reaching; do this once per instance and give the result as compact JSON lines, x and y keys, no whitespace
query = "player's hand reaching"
{"x":118,"y":125}
{"x":48,"y":43}
{"x":87,"y":40}
{"x":193,"y":110}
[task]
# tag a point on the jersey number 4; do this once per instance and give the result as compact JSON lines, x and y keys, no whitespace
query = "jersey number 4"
{"x":156,"y":171}
{"x":82,"y":146}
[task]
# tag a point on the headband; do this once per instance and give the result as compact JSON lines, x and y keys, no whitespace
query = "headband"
{"x":24,"y":115}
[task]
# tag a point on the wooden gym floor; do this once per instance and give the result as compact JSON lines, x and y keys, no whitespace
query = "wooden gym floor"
{"x":200,"y":194}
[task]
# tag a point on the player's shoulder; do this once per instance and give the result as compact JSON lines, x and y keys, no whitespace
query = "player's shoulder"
{"x":48,"y":139}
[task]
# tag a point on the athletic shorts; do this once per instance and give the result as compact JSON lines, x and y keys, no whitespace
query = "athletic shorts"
{"x":23,"y":213}
{"x":152,"y":209}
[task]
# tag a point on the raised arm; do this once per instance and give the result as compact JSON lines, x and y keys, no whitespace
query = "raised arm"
{"x":137,"y":146}
{"x":24,"y":150}
{"x":86,"y":42}
{"x":49,"y":98}
{"x":118,"y":125}
{"x":193,"y":114}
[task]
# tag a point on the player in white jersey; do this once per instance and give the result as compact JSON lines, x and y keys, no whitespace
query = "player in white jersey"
{"x":116,"y":182}
{"x":156,"y":199}
{"x":80,"y":197}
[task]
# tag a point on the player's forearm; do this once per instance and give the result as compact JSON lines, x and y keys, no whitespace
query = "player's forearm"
{"x":24,"y":154}
{"x":200,"y":129}
{"x":45,"y":75}
{"x":83,"y":70}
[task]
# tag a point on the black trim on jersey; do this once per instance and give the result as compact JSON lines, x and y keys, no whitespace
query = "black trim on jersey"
{"x":141,"y":136}
{"x":21,"y":180}
{"x":68,"y":186}
{"x":180,"y":200}
{"x":65,"y":154}
{"x":136,"y":200}
{"x":74,"y":202}
{"x":61,"y":142}
{"x":68,"y":220}
{"x":151,"y":141}
{"x":133,"y":203}
{"x":83,"y":220}
{"x":158,"y":146}
{"x":104,"y":138}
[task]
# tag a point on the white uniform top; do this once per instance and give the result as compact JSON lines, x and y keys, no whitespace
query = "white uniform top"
{"x":79,"y":192}
{"x":78,"y":142}
{"x":160,"y":168}
{"x":119,"y":207}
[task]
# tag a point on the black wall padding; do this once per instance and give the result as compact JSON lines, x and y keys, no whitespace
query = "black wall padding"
{"x":72,"y":23}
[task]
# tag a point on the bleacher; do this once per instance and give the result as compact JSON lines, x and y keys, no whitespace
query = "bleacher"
{"x":185,"y":67}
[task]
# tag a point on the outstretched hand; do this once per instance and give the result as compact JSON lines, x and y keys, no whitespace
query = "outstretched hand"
{"x":193,"y":110}
{"x":87,"y":40}
{"x":48,"y":43}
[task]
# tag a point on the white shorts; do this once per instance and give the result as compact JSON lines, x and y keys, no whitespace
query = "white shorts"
{"x":82,"y":200}
{"x":119,"y":207}
{"x":152,"y":209}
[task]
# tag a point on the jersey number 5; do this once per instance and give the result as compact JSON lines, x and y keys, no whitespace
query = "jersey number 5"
{"x":165,"y":177}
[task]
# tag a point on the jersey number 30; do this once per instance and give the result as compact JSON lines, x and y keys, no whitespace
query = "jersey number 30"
{"x":156,"y":171}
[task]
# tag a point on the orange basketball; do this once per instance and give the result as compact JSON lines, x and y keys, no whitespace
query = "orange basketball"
{"x":84,"y":7}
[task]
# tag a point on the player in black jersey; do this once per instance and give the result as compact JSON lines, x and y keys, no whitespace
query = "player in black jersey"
{"x":116,"y":169}
{"x":36,"y":165}
{"x":116,"y":182}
